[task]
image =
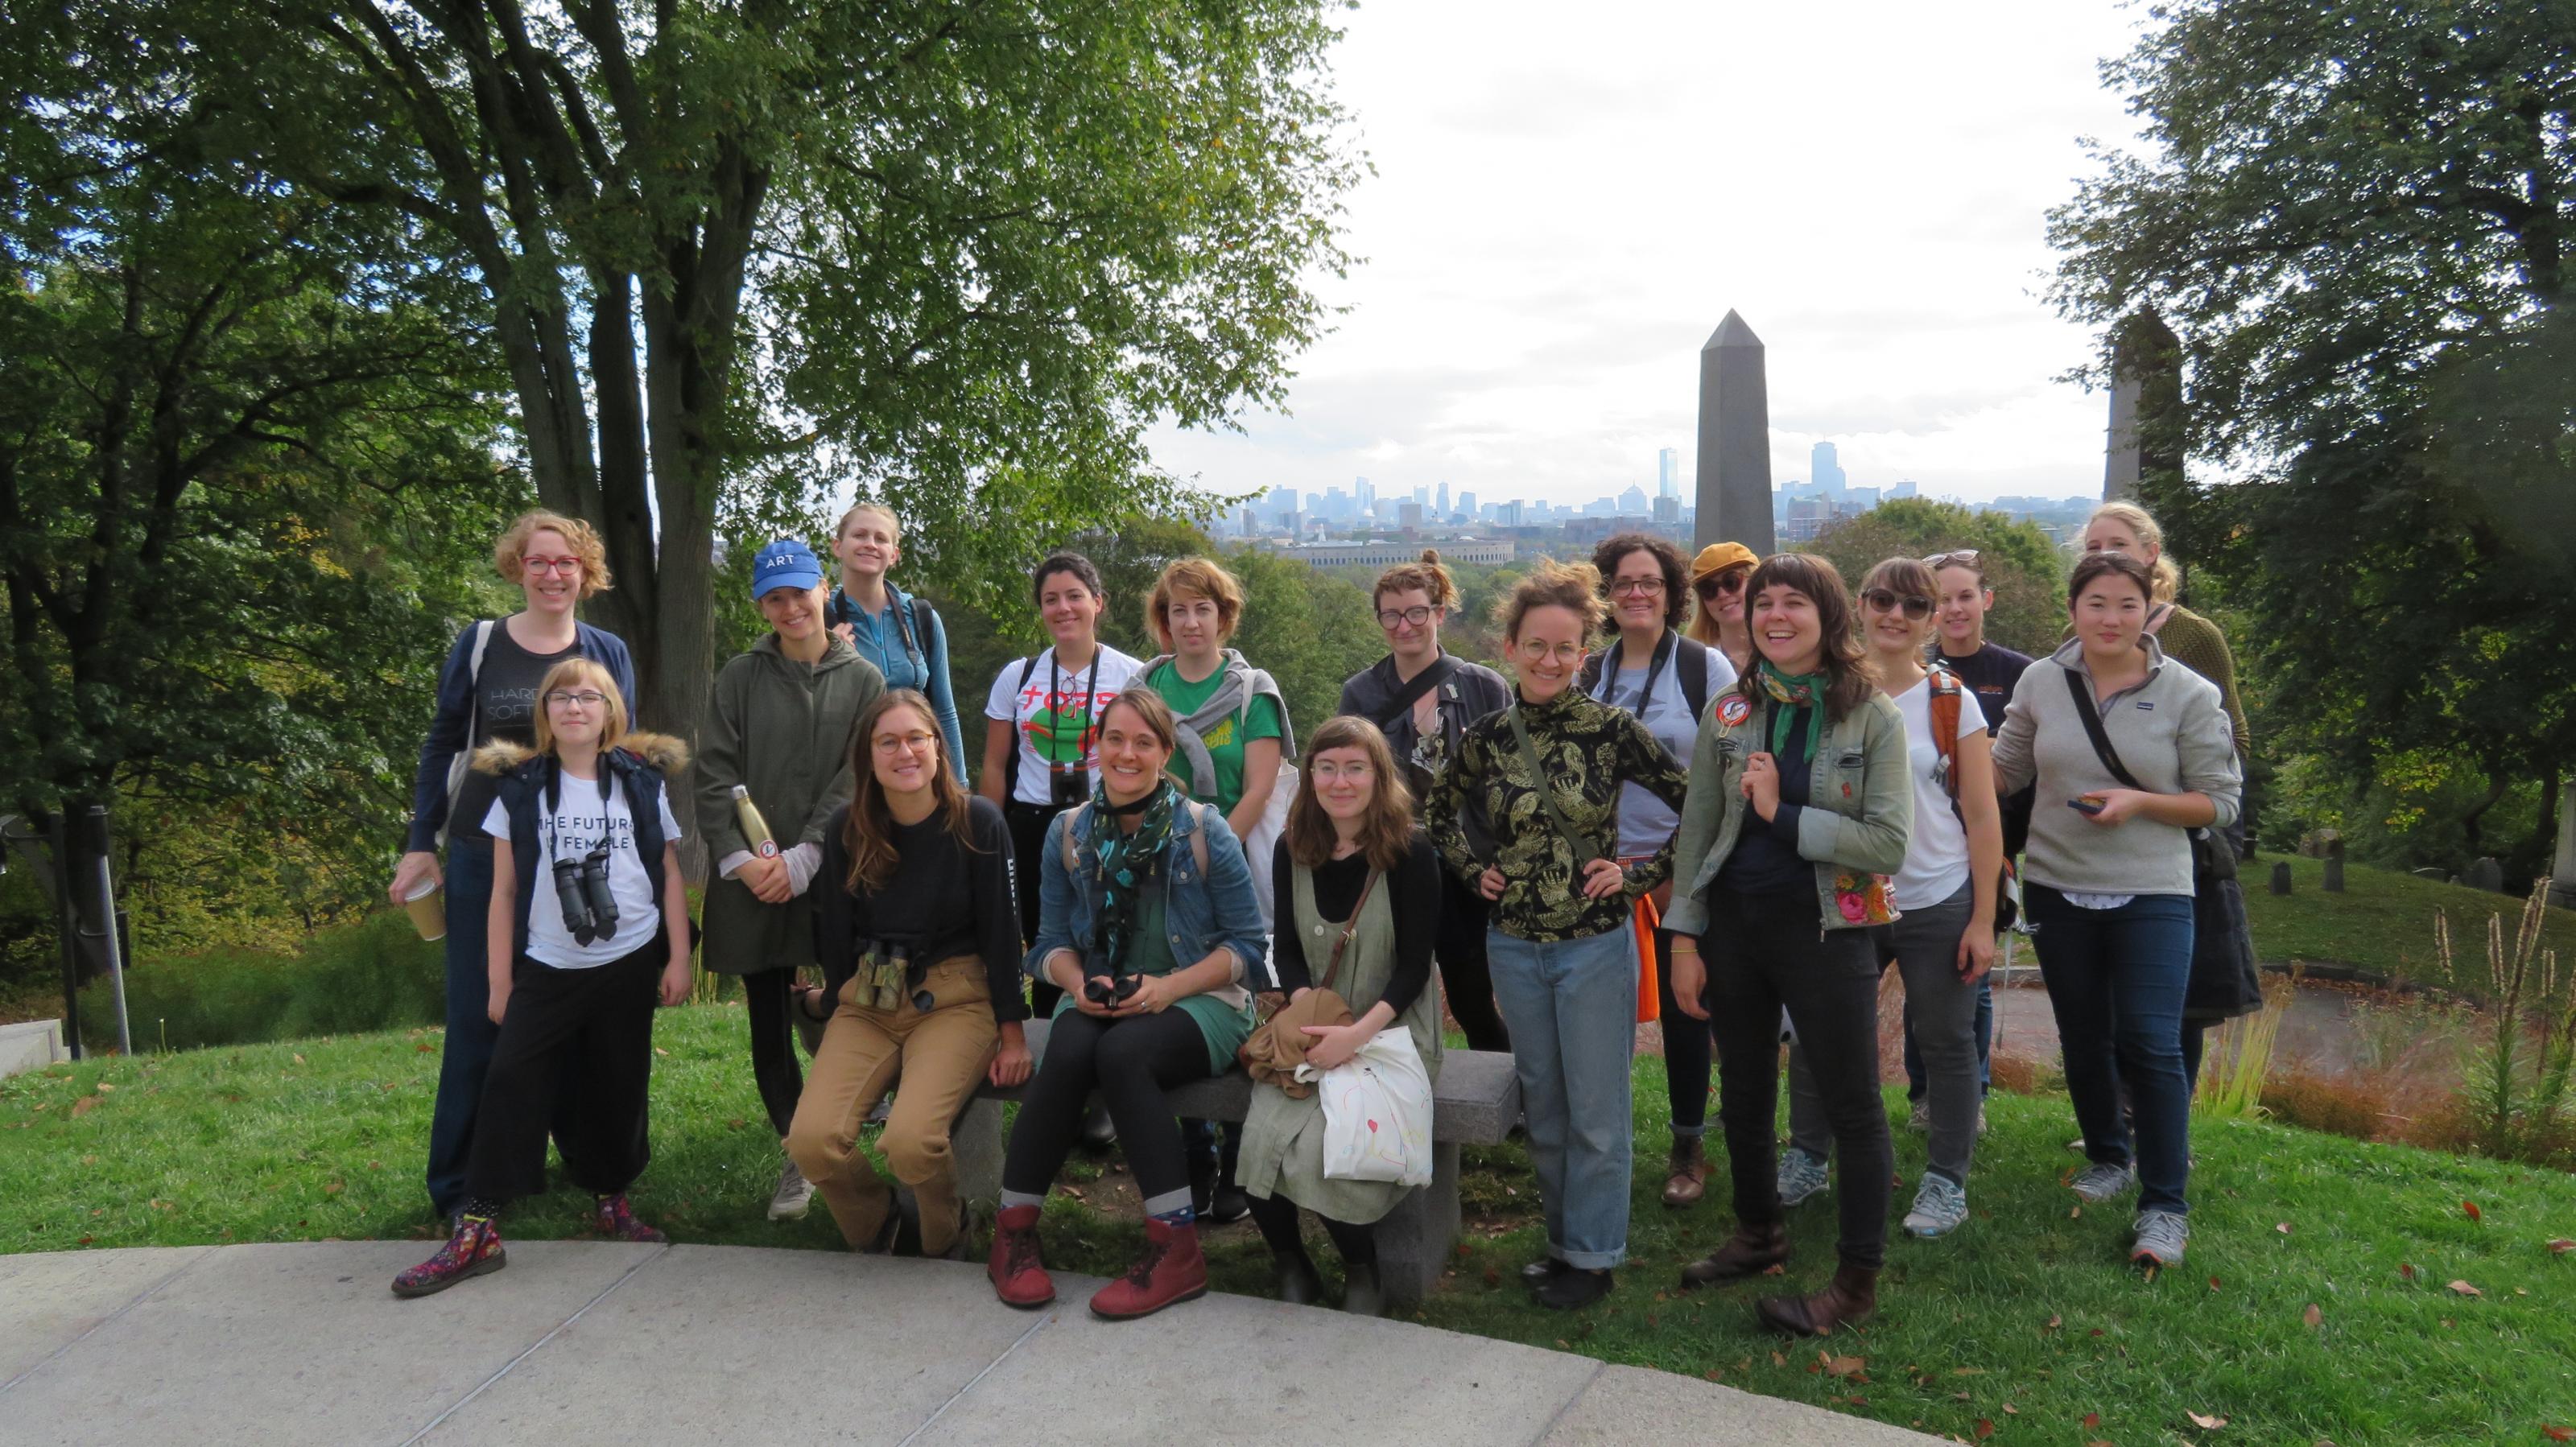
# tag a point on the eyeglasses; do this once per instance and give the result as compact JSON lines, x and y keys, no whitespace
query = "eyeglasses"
{"x":1731,"y":581}
{"x":1359,"y":772}
{"x":1956,"y":558}
{"x":540,"y":567}
{"x":904,"y":743}
{"x":587,"y":698}
{"x":1415,"y":616}
{"x":1886,"y":601}
{"x":1637,"y":587}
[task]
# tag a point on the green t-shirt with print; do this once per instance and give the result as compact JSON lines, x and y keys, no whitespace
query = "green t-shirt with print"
{"x":1258,"y":720}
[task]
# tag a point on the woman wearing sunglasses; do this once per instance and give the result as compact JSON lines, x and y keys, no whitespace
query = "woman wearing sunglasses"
{"x":1717,"y":581}
{"x":1943,"y":939}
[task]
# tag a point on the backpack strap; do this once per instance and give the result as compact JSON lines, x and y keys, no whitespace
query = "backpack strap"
{"x":1945,"y":725}
{"x":1693,"y":667}
{"x":1011,"y":760}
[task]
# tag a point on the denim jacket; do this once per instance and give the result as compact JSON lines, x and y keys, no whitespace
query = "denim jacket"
{"x":1858,"y":820}
{"x":1205,"y":907}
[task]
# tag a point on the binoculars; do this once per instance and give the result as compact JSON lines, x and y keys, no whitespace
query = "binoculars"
{"x":1068,"y":786}
{"x":581,"y":887}
{"x":882,"y":977}
{"x":1110,"y":989}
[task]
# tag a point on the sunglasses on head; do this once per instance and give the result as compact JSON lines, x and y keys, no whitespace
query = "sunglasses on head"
{"x":1888,"y":601}
{"x":1960,"y":557}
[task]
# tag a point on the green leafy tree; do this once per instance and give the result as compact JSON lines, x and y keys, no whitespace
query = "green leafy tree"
{"x":2023,"y":565}
{"x":2355,"y":219}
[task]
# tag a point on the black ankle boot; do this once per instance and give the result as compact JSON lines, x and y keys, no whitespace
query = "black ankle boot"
{"x":1298,"y":1283}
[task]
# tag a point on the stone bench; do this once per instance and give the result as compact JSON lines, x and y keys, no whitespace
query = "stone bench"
{"x":1476,"y":1099}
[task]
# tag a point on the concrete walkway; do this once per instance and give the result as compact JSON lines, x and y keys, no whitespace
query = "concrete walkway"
{"x":579,"y":1343}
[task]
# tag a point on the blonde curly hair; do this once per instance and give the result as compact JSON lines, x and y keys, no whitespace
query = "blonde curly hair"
{"x":510,"y":550}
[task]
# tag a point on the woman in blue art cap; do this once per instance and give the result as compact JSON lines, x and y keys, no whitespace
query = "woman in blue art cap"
{"x":779,"y":727}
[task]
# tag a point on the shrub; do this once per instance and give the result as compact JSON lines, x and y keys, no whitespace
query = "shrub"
{"x":374,"y":975}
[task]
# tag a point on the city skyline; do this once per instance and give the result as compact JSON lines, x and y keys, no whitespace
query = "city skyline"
{"x":1514,"y":330}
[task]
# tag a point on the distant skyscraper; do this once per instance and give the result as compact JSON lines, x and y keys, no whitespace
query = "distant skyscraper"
{"x":1904,"y":489}
{"x":1827,"y":472}
{"x":1421,"y":496}
{"x":1632,"y":503}
{"x":1467,"y":503}
{"x":1444,"y":500}
{"x":1366,"y":494}
{"x":1668,"y":472}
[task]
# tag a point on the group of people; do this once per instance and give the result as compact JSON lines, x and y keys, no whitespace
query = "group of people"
{"x":1723,"y":783}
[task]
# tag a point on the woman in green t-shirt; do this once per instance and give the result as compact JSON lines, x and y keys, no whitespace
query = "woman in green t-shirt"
{"x":1234,"y":723}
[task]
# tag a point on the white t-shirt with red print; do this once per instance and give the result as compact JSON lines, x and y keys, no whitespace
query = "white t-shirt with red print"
{"x":1056,"y":712}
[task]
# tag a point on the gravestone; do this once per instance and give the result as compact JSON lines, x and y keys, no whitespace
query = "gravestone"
{"x":2486,"y":874}
{"x":1734,"y":441}
{"x":2144,"y":439}
{"x":2281,"y":878}
{"x":2431,"y":872}
{"x":2562,"y":877}
{"x":2334,"y":872}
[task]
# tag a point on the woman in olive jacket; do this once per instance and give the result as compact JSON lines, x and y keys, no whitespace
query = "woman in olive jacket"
{"x":779,"y":724}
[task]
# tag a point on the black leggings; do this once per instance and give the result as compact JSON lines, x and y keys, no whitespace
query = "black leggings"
{"x":1276,"y":1215}
{"x":1028,"y":825}
{"x":1828,"y":980}
{"x":1131,"y":1062}
{"x":1688,"y":1045}
{"x":765,"y":997}
{"x":1460,"y":948}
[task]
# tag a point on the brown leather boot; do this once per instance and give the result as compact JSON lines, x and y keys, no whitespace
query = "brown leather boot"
{"x":1170,"y":1271}
{"x":1751,"y":1251}
{"x":1688,"y":1179}
{"x":1848,"y":1301}
{"x":1019,"y":1277}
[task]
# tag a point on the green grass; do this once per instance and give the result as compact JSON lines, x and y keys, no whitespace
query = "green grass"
{"x":2026,"y":1306}
{"x":2383,"y":922}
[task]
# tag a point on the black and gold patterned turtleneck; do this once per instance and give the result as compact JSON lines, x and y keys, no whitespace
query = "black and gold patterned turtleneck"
{"x":1587,"y":750}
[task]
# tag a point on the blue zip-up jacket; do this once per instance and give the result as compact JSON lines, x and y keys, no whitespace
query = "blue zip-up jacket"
{"x":917,"y":657}
{"x":451,"y":728}
{"x":1202,"y":911}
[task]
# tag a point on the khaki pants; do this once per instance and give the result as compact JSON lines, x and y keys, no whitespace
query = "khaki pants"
{"x":939,"y":1058}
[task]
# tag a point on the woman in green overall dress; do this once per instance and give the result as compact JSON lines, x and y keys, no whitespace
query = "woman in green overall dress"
{"x":1359,"y":895}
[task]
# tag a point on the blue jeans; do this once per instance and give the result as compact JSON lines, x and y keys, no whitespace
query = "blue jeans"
{"x":2116,"y":979}
{"x":1571,"y":1006}
{"x":1918,"y":1084}
{"x":470,"y":1031}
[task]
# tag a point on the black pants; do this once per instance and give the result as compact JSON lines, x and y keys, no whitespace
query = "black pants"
{"x":1774,"y":958}
{"x":588,"y":1033}
{"x":1459,"y":946}
{"x":1688,"y":1044}
{"x":1276,"y":1215}
{"x":765,"y":997}
{"x":1028,"y":825}
{"x":1131,"y":1062}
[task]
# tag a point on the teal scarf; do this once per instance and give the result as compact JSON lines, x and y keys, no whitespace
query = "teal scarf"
{"x":1797,"y":691}
{"x":1128,"y":863}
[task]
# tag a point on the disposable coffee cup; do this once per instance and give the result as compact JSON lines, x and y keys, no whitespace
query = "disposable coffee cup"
{"x":428,"y":906}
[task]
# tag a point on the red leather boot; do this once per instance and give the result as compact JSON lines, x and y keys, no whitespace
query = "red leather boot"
{"x":1019,"y":1278}
{"x":1171,"y":1270}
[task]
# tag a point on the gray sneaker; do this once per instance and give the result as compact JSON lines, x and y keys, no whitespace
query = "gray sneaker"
{"x":794,"y":1194}
{"x":1802,"y":1176}
{"x":2101,"y":1183}
{"x":1981,"y":1120}
{"x":2160,"y":1238}
{"x":1940,"y":1207}
{"x":1919,"y":1119}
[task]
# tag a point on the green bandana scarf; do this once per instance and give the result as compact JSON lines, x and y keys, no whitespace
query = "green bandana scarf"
{"x":1128,"y":862}
{"x":1797,"y":691}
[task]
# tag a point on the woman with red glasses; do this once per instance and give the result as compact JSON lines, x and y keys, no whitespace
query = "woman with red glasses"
{"x":487,"y":693}
{"x":1717,"y":580}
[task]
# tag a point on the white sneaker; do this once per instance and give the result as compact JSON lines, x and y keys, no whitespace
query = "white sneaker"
{"x":794,"y":1195}
{"x":2101,"y":1183}
{"x":1802,"y":1176}
{"x":1940,"y":1206}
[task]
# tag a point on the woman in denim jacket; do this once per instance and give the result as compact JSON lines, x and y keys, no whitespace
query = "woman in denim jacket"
{"x":1148,"y":923}
{"x":1800,"y":802}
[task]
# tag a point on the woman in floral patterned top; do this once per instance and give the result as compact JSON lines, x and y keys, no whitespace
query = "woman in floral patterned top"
{"x":1563,"y":954}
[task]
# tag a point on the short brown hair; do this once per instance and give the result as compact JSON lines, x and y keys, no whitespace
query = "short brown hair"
{"x":1204,"y":578}
{"x":869,"y":832}
{"x":2093,"y":565}
{"x":510,"y":550}
{"x":565,"y":675}
{"x":1386,"y":830}
{"x":1429,"y":575}
{"x":1614,"y":551}
{"x":1902,"y":576}
{"x":1846,"y":663}
{"x":1575,"y":587}
{"x":1151,"y":711}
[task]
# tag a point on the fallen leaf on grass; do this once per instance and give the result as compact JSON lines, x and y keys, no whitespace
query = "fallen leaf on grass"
{"x":1713,"y":1374}
{"x":2558,"y":1434}
{"x":332,"y":1188}
{"x":84,"y":1105}
{"x":424,"y":1047}
{"x":2213,"y":1283}
{"x":2312,"y":1316}
{"x":1493,"y":1277}
{"x":2283,"y":1228}
{"x":2561,"y":1246}
{"x":2072,"y":1212}
{"x":2011,"y":1411}
{"x":2210,"y":1424}
{"x":106,"y":1089}
{"x":1778,"y":1360}
{"x":658,"y":1050}
{"x":1840,"y":1366}
{"x":1985,"y":1428}
{"x":2472,"y":1208}
{"x":299,"y":1059}
{"x":1967,"y":1371}
{"x":2465,"y":1289}
{"x":2054,"y":1322}
{"x":2092,"y":1420}
{"x":2406,"y":1269}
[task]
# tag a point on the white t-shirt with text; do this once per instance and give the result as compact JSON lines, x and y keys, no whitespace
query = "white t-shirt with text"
{"x":574,"y":827}
{"x":1056,"y":715}
{"x":1936,"y":861}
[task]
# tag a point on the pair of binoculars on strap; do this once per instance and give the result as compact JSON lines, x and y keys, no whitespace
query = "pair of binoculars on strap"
{"x":1110,"y":989}
{"x":581,"y":888}
{"x":885,"y":977}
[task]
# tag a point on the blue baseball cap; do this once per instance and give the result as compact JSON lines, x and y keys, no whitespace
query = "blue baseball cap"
{"x":785,"y":563}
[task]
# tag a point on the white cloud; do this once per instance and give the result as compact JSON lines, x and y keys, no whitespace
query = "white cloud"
{"x":1568,"y":201}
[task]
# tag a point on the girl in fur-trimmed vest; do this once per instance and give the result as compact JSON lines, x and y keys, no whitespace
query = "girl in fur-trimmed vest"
{"x":589,"y":926}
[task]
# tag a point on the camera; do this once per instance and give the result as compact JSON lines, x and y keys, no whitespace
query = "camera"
{"x":1068,"y":785}
{"x":581,"y":889}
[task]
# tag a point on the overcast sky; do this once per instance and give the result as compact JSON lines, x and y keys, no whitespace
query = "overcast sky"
{"x":1567,"y":201}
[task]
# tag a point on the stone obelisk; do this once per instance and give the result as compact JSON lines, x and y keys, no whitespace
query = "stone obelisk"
{"x":2146,"y":402}
{"x":1734,"y":440}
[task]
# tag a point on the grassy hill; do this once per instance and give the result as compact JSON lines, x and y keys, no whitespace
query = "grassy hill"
{"x":2383,"y":923}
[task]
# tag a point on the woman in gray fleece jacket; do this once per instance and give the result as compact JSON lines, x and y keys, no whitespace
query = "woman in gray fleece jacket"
{"x":2109,"y":875}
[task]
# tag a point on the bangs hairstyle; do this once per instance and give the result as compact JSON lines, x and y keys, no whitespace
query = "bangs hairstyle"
{"x":510,"y":550}
{"x":1575,"y":587}
{"x":1386,"y":828}
{"x":1074,"y":563}
{"x":1902,"y":576}
{"x":2092,"y":567}
{"x":1846,"y":663}
{"x":572,"y":673}
{"x":869,"y":834}
{"x":1429,"y":574}
{"x":2165,"y":578}
{"x":1196,"y":578}
{"x":894,"y":525}
{"x":1150,"y":710}
{"x":1614,"y":551}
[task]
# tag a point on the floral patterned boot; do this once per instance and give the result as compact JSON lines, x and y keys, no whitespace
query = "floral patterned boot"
{"x":472,"y":1250}
{"x":616,"y":1221}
